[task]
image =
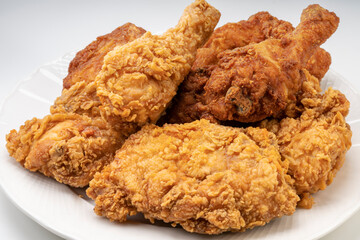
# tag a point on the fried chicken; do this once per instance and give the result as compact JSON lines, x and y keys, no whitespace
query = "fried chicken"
{"x":47,"y":145}
{"x":81,"y":99}
{"x":139,"y":79}
{"x":79,"y":93}
{"x":206,"y":177}
{"x":74,"y":142}
{"x":257,"y":28}
{"x":315,"y":143}
{"x":88,"y":62}
{"x":67,"y":147}
{"x":223,"y":82}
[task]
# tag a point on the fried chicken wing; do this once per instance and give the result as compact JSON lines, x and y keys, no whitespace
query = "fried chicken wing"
{"x":139,"y":79}
{"x":315,"y":143}
{"x":206,"y":177}
{"x":67,"y":147}
{"x":190,"y":102}
{"x":88,"y":62}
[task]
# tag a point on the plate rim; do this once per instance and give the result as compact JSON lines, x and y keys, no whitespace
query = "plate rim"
{"x":55,"y":230}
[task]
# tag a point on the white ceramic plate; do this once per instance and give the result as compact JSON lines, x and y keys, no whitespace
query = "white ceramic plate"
{"x":60,"y":209}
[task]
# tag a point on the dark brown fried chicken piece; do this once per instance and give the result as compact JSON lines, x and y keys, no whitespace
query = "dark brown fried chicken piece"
{"x":206,"y":177}
{"x":315,"y":143}
{"x":260,"y":80}
{"x":205,"y":93}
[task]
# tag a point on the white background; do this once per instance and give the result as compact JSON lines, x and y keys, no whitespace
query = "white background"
{"x":36,"y":32}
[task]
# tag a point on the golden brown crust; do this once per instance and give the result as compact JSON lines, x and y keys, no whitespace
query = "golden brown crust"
{"x":88,"y":62}
{"x":75,"y":142}
{"x":260,"y":80}
{"x":85,"y":154}
{"x":138,"y":86}
{"x":67,"y":147}
{"x":315,"y":143}
{"x":319,"y":63}
{"x":202,"y":95}
{"x":80,"y":98}
{"x":206,"y":177}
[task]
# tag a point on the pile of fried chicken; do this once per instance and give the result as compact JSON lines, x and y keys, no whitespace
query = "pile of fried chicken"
{"x":215,"y":130}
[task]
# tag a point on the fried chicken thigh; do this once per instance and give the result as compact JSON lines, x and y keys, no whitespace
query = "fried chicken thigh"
{"x":74,"y":142}
{"x":206,"y":177}
{"x":315,"y":143}
{"x":67,"y":147}
{"x":139,"y":79}
{"x":190,"y":102}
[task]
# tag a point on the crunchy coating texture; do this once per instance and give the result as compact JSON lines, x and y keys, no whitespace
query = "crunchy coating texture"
{"x":206,"y":177}
{"x":319,"y":63}
{"x":81,"y":99}
{"x":257,"y":28}
{"x":74,"y":142}
{"x":315,"y":143}
{"x":189,"y":103}
{"x":139,"y":79}
{"x":249,"y":83}
{"x":79,"y":93}
{"x":67,"y":147}
{"x":260,"y":80}
{"x":88,"y":62}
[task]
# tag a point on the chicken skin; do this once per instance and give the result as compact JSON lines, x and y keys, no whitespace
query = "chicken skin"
{"x":48,"y":145}
{"x":260,"y":80}
{"x":74,"y":142}
{"x":81,"y":99}
{"x":315,"y":143}
{"x":88,"y":62}
{"x":79,"y":92}
{"x":139,"y":79}
{"x":189,"y":103}
{"x":67,"y":147}
{"x":206,"y":177}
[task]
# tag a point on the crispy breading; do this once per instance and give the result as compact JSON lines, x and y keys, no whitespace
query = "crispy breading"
{"x":67,"y":147}
{"x":74,"y":142}
{"x":223,"y":85}
{"x":139,"y":79}
{"x":48,"y":145}
{"x":206,"y":177}
{"x":315,"y":143}
{"x":88,"y":62}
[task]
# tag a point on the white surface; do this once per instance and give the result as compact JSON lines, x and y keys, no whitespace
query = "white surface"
{"x":59,"y":208}
{"x":33,"y":33}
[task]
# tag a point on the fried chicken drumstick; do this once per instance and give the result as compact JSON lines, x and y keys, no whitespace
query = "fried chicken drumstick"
{"x":75,"y":141}
{"x":206,"y":177}
{"x":249,"y":83}
{"x":138,"y":86}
